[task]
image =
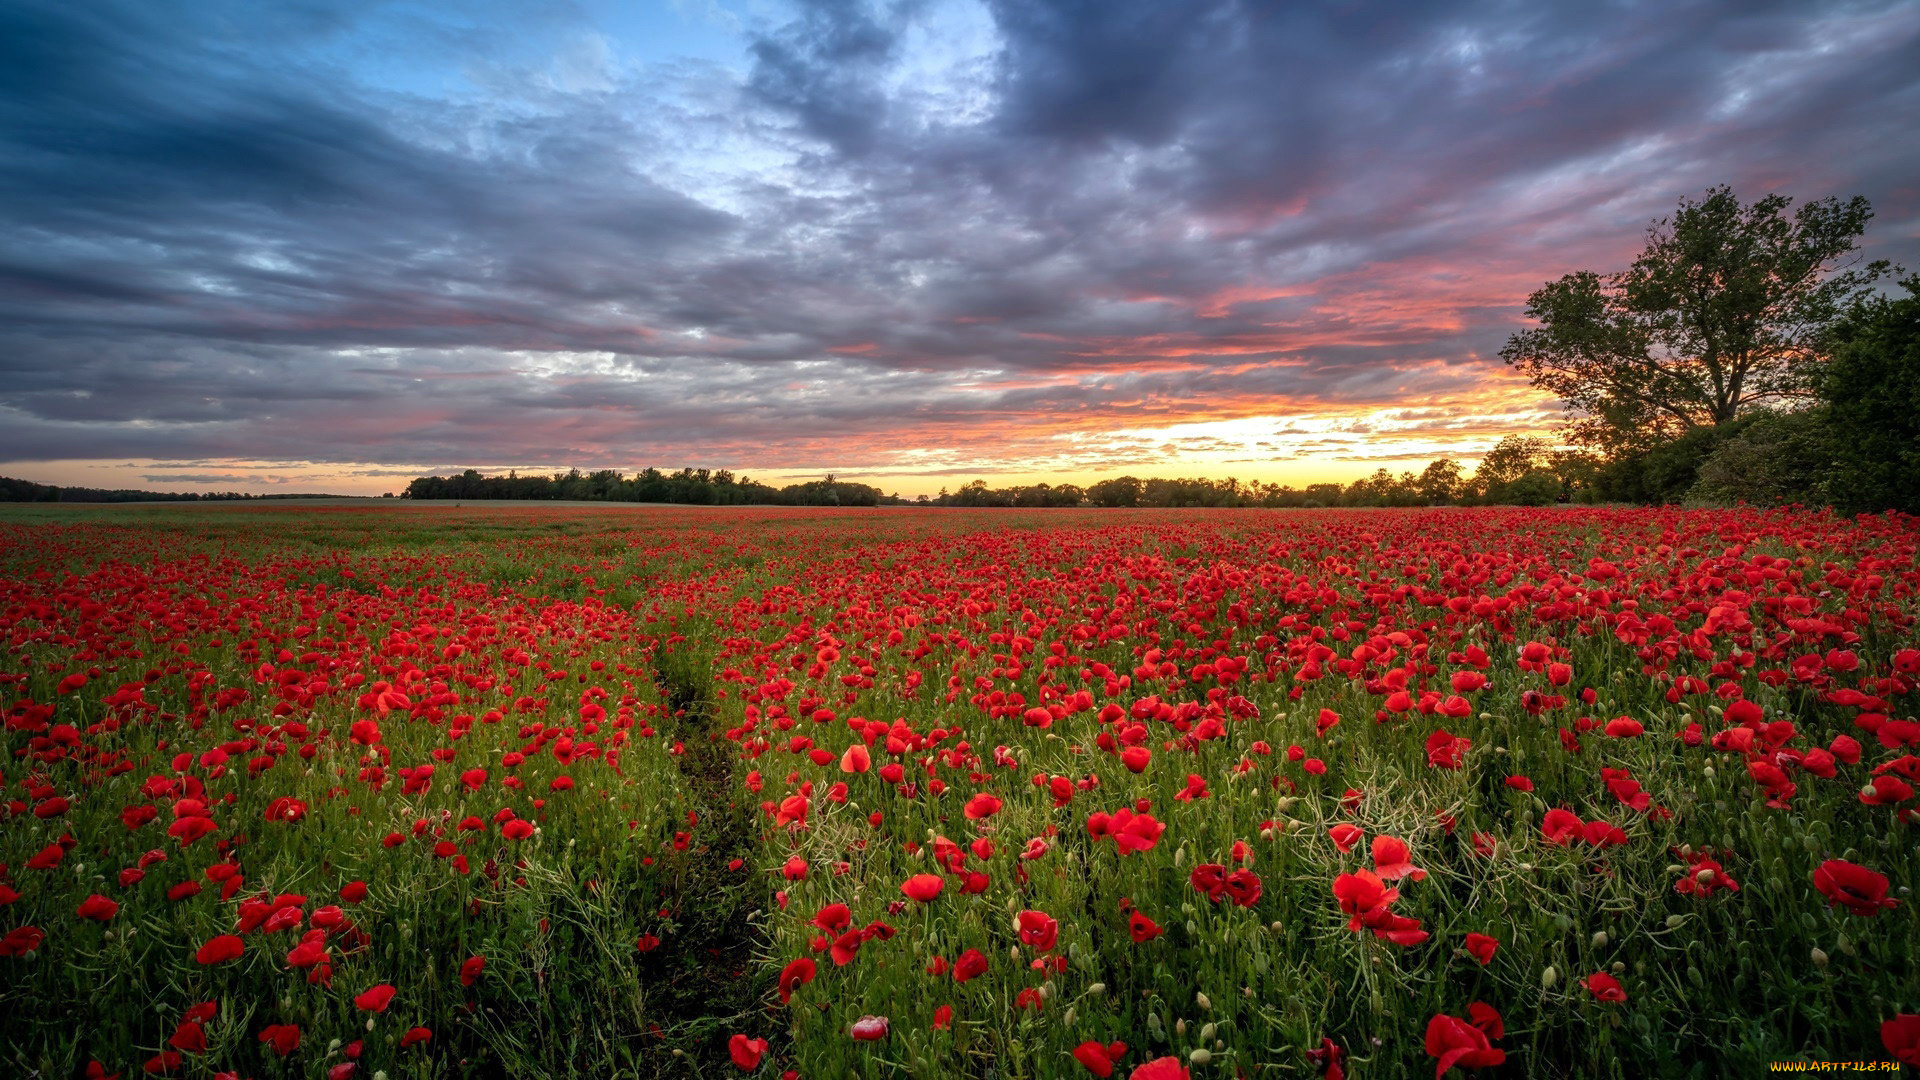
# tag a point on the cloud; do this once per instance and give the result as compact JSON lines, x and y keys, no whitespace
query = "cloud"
{"x":926,"y":236}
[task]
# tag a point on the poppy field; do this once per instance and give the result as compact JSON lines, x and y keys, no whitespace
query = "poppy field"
{"x":418,"y":790}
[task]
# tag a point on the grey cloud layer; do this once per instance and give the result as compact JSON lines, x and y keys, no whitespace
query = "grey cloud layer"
{"x":224,"y":243}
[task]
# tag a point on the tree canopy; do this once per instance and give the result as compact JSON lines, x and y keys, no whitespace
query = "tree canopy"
{"x":1727,"y":309}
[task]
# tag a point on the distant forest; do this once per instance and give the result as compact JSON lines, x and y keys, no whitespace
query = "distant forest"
{"x":12,"y":490}
{"x":1518,"y":471}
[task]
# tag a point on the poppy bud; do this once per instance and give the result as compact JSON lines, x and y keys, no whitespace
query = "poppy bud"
{"x":1206,"y":1032}
{"x":1599,"y":939}
{"x":1180,"y":1027}
{"x":1674,"y":922}
{"x":1201,"y":999}
{"x":1097,"y":988}
{"x":1819,"y":957}
{"x":1549,"y":977}
{"x":1201,"y":1056}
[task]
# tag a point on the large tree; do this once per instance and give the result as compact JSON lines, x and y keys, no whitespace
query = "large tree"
{"x":1726,"y":309}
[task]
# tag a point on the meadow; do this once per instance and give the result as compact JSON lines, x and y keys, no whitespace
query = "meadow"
{"x":423,"y":790}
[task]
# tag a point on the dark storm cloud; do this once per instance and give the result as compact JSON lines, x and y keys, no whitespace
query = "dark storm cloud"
{"x":225,"y":243}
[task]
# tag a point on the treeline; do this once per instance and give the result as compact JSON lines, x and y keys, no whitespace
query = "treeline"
{"x":1519,"y":471}
{"x":14,"y":490}
{"x":695,"y":487}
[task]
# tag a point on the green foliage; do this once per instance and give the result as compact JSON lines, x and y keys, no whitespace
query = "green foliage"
{"x":693,"y":487}
{"x":1536,"y":488}
{"x":1776,"y":460}
{"x":1872,"y":392}
{"x":1725,"y":309}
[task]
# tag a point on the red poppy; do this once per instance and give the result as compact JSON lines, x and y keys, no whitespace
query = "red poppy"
{"x":922,"y":887}
{"x":969,"y":965}
{"x":869,"y":1028}
{"x":98,"y":908}
{"x":284,"y":1038}
{"x":1390,"y":860}
{"x":1038,"y":929}
{"x":1098,"y":1059}
{"x":374,"y":999}
{"x":1560,"y":826}
{"x":745,"y":1052}
{"x":1242,"y":887}
{"x":1142,"y":929}
{"x":1456,"y":1042}
{"x":415,"y":1035}
{"x":1853,"y":887}
{"x":1604,"y":987}
{"x":943,"y":1018}
{"x":795,"y":975}
{"x":1345,"y":836}
{"x":220,"y":950}
{"x":1482,"y":947}
{"x":189,"y":1037}
{"x":981,"y":806}
{"x":1901,"y":1037}
{"x":1360,"y":893}
{"x":1133,"y":832}
{"x":471,"y":969}
{"x":1163,"y":1068}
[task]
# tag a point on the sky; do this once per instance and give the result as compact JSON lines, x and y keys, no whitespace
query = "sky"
{"x":330,"y":245}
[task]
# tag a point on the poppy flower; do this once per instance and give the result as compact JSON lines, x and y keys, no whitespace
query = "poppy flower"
{"x":1360,"y":893}
{"x":981,"y":806}
{"x":1099,"y":1059}
{"x":1345,"y":836}
{"x":1327,"y":1057}
{"x":415,"y":1035}
{"x":922,"y":887}
{"x":1604,"y":987}
{"x":969,"y":965}
{"x":943,"y":1018}
{"x":22,"y":940}
{"x":1853,"y":887}
{"x":283,"y":1038}
{"x":220,"y":950}
{"x":1901,"y":1037}
{"x":1038,"y":929}
{"x":1390,"y":860}
{"x":1457,"y":1042}
{"x":1162,"y":1068}
{"x":745,"y":1052}
{"x":1242,"y":887}
{"x":1446,"y":750}
{"x":869,"y":1028}
{"x":1196,"y":789}
{"x":189,"y":1037}
{"x":98,"y":908}
{"x":374,"y":999}
{"x":833,"y":918}
{"x":795,"y":975}
{"x":845,"y":947}
{"x":647,"y":943}
{"x":1561,"y":827}
{"x":1481,"y":947}
{"x":470,"y":970}
{"x":1136,"y":759}
{"x":856,"y":760}
{"x":1209,"y":878}
{"x":1142,"y":929}
{"x":1133,"y":832}
{"x":1520,"y":783}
